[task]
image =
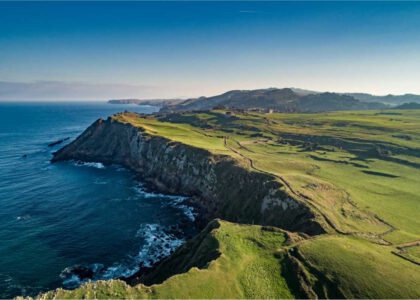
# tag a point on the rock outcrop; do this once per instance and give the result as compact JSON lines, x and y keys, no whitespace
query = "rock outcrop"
{"x":219,"y":185}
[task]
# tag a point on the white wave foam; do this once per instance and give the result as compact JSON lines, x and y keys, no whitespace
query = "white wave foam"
{"x":159,"y":242}
{"x":24,"y":217}
{"x":176,"y":201}
{"x":97,"y":165}
{"x":187,"y":210}
{"x":100,"y":182}
{"x":119,"y":168}
{"x":140,"y":191}
{"x":72,"y":282}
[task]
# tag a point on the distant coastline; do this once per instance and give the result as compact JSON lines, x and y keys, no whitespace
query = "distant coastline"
{"x":151,"y":102}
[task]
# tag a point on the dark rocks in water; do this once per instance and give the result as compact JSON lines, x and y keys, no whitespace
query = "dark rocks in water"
{"x":83,"y":272}
{"x":24,"y":156}
{"x":175,"y":231}
{"x":136,"y":278}
{"x":173,"y":227}
{"x":58,"y":142}
{"x":183,"y":225}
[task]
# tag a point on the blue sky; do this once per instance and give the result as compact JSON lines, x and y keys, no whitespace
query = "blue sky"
{"x":101,"y":50}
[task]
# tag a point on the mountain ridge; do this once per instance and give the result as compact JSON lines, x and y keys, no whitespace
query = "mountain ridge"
{"x":388,"y":99}
{"x":281,"y":100}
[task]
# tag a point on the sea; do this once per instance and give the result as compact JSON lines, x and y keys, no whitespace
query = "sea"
{"x":67,"y":223}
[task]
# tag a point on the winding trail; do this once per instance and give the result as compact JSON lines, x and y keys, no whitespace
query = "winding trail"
{"x":377,"y":238}
{"x":285,"y":183}
{"x":299,"y":195}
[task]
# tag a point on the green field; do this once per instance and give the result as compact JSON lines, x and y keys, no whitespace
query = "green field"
{"x":360,"y":170}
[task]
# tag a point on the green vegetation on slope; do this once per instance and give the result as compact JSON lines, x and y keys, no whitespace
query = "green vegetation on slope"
{"x":361,"y":269}
{"x":249,"y":266}
{"x":359,"y":170}
{"x":265,"y":262}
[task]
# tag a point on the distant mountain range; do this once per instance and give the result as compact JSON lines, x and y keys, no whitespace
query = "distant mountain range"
{"x":365,"y":97}
{"x":283,"y":100}
{"x":388,"y":99}
{"x":411,"y":105}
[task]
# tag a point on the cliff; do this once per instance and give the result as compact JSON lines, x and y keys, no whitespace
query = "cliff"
{"x":293,"y":171}
{"x":219,"y":185}
{"x":236,"y":261}
{"x":225,"y":261}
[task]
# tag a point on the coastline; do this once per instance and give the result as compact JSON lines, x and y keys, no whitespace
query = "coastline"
{"x":175,"y":168}
{"x":238,"y":192}
{"x":164,"y":241}
{"x":154,"y":183}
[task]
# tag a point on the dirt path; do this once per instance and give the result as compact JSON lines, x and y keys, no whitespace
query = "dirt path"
{"x":409,"y":244}
{"x":379,"y":236}
{"x":286,"y":183}
{"x":309,"y":201}
{"x":402,"y":251}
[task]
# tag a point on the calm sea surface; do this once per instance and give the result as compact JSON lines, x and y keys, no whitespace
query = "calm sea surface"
{"x":66,"y":223}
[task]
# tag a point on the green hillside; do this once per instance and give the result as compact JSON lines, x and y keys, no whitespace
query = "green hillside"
{"x":264,"y":262}
{"x":359,"y":170}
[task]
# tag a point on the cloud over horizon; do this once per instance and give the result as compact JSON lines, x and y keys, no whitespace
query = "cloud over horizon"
{"x":63,"y":90}
{"x":91,"y":50}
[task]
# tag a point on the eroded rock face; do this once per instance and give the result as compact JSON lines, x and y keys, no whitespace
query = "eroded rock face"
{"x":219,"y":186}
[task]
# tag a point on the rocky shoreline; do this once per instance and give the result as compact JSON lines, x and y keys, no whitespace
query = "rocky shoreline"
{"x":175,"y":168}
{"x":207,"y":179}
{"x":232,"y":185}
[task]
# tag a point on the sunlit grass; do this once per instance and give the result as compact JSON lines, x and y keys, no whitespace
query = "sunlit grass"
{"x":358,"y":169}
{"x":330,"y":157}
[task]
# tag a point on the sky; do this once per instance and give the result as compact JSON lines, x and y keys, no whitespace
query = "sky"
{"x":107,"y":50}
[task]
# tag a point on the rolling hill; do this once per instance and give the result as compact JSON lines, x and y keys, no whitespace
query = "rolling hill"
{"x":282,"y":100}
{"x":411,"y":105}
{"x":388,"y":99}
{"x":321,"y":205}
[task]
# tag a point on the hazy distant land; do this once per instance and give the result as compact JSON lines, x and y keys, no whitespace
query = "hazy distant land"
{"x":280,"y":100}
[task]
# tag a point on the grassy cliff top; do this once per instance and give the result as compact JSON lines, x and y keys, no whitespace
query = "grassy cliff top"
{"x":360,"y":169}
{"x":263,"y":262}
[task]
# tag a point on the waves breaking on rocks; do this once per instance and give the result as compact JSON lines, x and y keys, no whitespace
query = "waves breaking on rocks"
{"x":175,"y":201}
{"x":158,"y":242}
{"x":97,"y":165}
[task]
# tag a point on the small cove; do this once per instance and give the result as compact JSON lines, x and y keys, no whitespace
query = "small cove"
{"x":65,"y":223}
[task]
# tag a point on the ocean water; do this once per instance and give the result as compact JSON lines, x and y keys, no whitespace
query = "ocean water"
{"x":65,"y":223}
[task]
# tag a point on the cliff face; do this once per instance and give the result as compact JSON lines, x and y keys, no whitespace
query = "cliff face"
{"x":220,"y":186}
